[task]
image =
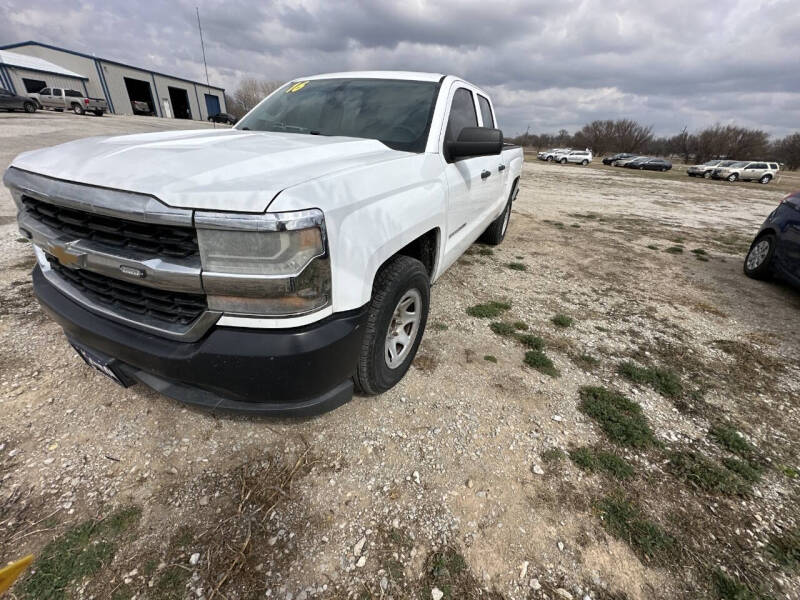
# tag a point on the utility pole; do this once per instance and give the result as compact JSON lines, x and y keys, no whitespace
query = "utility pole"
{"x":205,"y":64}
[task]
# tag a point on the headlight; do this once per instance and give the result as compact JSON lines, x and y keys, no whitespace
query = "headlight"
{"x":273,"y":264}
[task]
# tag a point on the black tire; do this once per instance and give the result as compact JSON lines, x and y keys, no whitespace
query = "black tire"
{"x":29,"y":107}
{"x":77,"y":109}
{"x":563,"y":161}
{"x":765,"y":179}
{"x":549,"y":159}
{"x":663,"y":169}
{"x":399,"y":276}
{"x":762,"y":269}
{"x":707,"y":175}
{"x":98,"y":113}
{"x":690,"y":174}
{"x":584,"y":162}
{"x":732,"y":177}
{"x":496,"y":232}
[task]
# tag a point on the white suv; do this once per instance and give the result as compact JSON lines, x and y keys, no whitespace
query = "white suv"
{"x":581,"y":157}
{"x":763,"y":172}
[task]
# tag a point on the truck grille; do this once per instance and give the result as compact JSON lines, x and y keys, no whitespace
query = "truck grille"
{"x":152,"y":239}
{"x":173,"y":307}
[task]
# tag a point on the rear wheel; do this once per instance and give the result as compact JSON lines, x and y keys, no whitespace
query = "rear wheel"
{"x":732,"y":177}
{"x":663,"y":169}
{"x":496,"y":232}
{"x":563,"y":161}
{"x":765,"y":179}
{"x":549,"y":159}
{"x":396,"y":321}
{"x":584,"y":162}
{"x":29,"y":107}
{"x":758,"y":261}
{"x":77,"y":109}
{"x":707,"y":175}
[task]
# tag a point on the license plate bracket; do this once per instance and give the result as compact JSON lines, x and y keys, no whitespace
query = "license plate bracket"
{"x":104,"y":364}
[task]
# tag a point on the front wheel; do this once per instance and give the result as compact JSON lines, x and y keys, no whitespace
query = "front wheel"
{"x":584,"y":162}
{"x":549,"y":159}
{"x":733,"y":177}
{"x":707,"y":175}
{"x":765,"y":179}
{"x":396,"y":321}
{"x":758,"y":261}
{"x":29,"y":107}
{"x":563,"y":161}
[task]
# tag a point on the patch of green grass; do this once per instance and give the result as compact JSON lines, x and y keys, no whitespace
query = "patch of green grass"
{"x":576,"y":225}
{"x":520,"y":325}
{"x":490,"y":358}
{"x":675,"y":250}
{"x":586,"y":361}
{"x":446,"y":570}
{"x":517,"y":266}
{"x":730,"y":439}
{"x":699,"y":252}
{"x":652,"y":247}
{"x":624,"y":520}
{"x":702,"y":258}
{"x":790,"y":472}
{"x":502,"y":328}
{"x":595,"y":460}
{"x":534,"y":342}
{"x":539,"y":361}
{"x":562,"y":320}
{"x":77,"y":553}
{"x":784,"y":549}
{"x":552,"y":455}
{"x":488,"y":310}
{"x":705,"y":474}
{"x":22,"y":240}
{"x":664,"y":381}
{"x":748,"y":471}
{"x":484,"y":251}
{"x":727,"y":588}
{"x":171,"y":583}
{"x":621,"y":419}
{"x":439,"y":326}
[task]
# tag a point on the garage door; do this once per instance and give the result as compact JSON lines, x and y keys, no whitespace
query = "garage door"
{"x":212,"y":105}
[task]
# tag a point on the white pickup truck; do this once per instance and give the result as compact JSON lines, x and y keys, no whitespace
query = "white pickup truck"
{"x":61,"y":99}
{"x":272,"y":267}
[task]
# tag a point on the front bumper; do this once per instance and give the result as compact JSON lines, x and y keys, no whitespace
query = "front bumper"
{"x":299,"y":372}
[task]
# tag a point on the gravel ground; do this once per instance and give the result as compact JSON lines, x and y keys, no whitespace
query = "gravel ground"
{"x":452,"y":484}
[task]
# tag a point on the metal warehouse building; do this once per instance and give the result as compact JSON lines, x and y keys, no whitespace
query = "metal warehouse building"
{"x":128,"y":90}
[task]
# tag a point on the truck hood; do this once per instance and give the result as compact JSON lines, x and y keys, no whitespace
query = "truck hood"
{"x":228,"y":169}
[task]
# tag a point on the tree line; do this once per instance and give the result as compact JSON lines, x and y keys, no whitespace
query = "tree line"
{"x":716,"y":141}
{"x":606,"y":136}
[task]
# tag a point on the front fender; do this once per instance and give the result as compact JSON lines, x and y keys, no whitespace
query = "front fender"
{"x":370,"y":214}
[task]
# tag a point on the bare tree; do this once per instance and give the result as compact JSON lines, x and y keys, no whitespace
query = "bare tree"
{"x":630,"y":136}
{"x":250,"y":92}
{"x":787,"y":150}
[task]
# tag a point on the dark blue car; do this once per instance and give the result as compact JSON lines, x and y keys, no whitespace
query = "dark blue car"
{"x":776,"y":248}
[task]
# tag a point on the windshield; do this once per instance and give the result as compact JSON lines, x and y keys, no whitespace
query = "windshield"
{"x":739,"y":164}
{"x":726,"y":163}
{"x":395,"y":112}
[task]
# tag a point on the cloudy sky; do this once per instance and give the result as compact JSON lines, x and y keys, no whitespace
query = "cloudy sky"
{"x":549,"y":64}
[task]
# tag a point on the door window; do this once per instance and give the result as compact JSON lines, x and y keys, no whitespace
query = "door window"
{"x":45,"y":92}
{"x":486,"y":112}
{"x":57,"y":93}
{"x":72,"y":93}
{"x":758,"y":166}
{"x":462,"y":114}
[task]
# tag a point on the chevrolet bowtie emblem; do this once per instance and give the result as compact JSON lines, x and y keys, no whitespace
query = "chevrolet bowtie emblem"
{"x":64,"y":256}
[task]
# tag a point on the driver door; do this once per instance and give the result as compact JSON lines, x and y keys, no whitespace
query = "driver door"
{"x":469,"y":180}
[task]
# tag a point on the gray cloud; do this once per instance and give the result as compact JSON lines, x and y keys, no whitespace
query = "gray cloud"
{"x":549,"y":64}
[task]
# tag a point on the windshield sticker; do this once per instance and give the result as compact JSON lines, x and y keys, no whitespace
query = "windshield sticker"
{"x":297,"y":87}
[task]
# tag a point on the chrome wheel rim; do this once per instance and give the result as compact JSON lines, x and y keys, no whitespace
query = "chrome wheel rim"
{"x":506,"y":219}
{"x":403,"y":329}
{"x":757,"y":255}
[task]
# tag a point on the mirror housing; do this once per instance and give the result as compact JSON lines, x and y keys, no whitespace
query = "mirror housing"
{"x":475,"y":141}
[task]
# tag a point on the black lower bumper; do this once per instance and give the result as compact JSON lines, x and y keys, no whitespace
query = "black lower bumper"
{"x":301,"y":371}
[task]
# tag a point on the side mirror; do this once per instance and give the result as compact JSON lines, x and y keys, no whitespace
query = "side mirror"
{"x":476,"y":141}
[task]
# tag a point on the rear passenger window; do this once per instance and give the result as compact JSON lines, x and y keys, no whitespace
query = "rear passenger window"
{"x":758,"y":166}
{"x":462,"y":114}
{"x":57,"y":93}
{"x":486,"y":112}
{"x":773,"y":166}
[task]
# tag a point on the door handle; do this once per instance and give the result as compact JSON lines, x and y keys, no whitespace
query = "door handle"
{"x":501,"y":168}
{"x":485,"y":174}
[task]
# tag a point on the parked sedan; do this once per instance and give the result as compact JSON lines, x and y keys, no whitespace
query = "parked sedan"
{"x":10,"y":101}
{"x":612,"y":160}
{"x":636,"y":162}
{"x":624,"y":162}
{"x":707,"y":168}
{"x":223,"y":118}
{"x":655,"y":164}
{"x":776,"y":248}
